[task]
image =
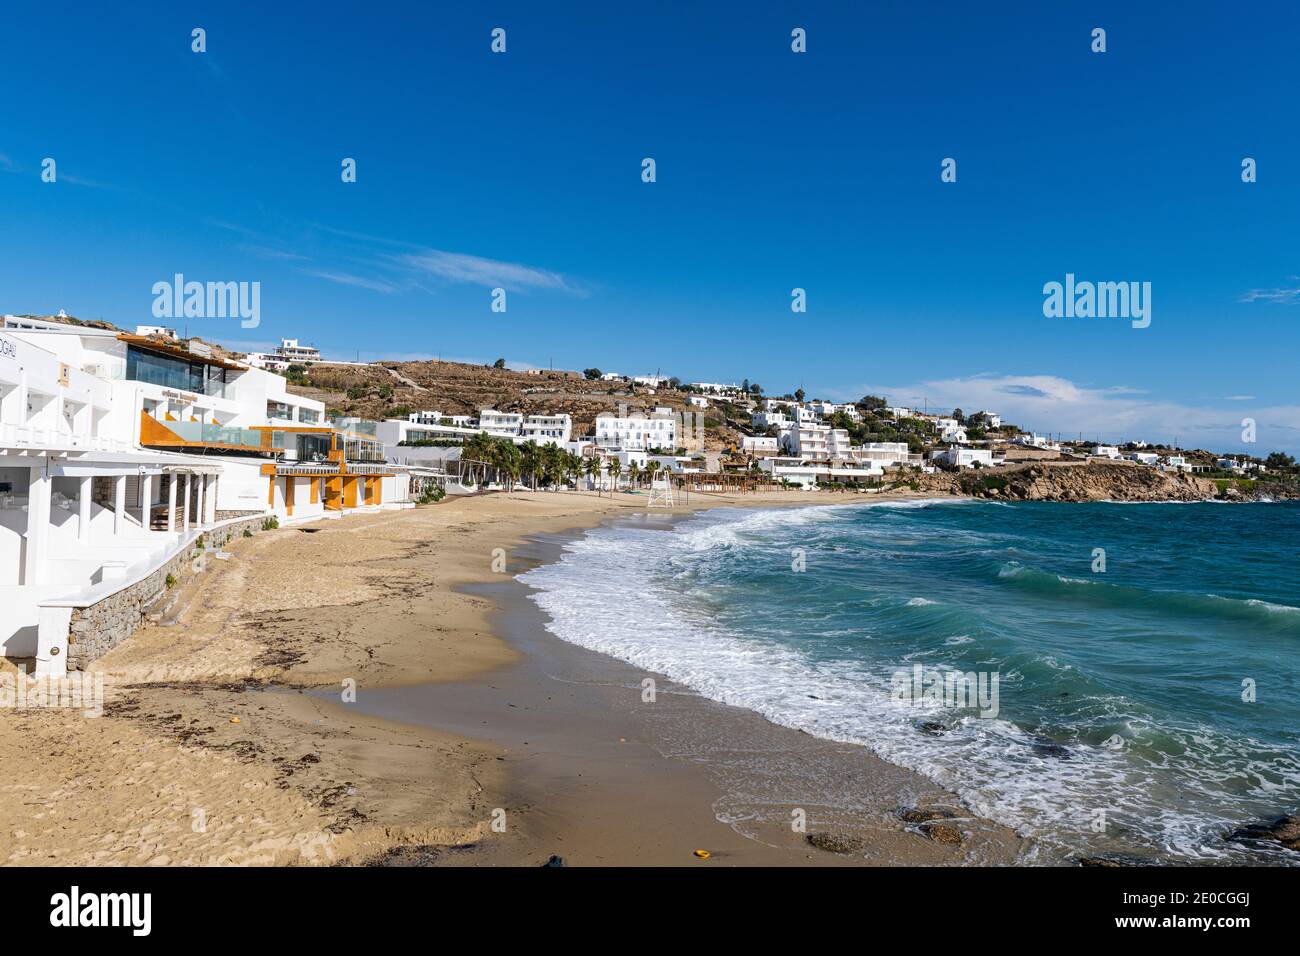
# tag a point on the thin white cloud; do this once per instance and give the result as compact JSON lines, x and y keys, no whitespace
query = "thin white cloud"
{"x":266,"y":252}
{"x":1285,"y":295}
{"x":346,"y":278}
{"x":1050,"y":404}
{"x":477,"y":270}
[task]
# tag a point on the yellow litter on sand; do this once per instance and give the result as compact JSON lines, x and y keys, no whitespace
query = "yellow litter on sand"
{"x":703,"y":854}
{"x":234,"y":720}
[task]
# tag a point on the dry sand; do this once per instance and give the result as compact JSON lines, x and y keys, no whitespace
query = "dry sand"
{"x":210,"y":750}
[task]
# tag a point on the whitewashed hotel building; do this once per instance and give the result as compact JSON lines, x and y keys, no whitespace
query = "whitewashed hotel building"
{"x":546,"y":429}
{"x":637,"y":432}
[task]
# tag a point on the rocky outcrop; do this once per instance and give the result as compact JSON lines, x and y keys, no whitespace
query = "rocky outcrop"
{"x":1284,"y":831}
{"x":1082,"y":481}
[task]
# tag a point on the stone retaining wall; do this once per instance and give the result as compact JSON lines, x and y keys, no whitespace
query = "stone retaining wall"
{"x":98,"y":628}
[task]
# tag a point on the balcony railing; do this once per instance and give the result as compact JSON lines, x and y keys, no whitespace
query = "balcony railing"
{"x":30,"y":436}
{"x":199,"y":433}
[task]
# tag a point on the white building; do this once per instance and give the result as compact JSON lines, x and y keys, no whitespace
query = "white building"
{"x":808,"y":475}
{"x":276,"y":451}
{"x":1105,"y":451}
{"x":1036,"y":441}
{"x":76,"y":502}
{"x":959,"y":457}
{"x":716,"y":388}
{"x":160,"y":330}
{"x":811,"y":443}
{"x":824,"y":410}
{"x":117,"y":451}
{"x":546,"y":429}
{"x":288,"y":352}
{"x":432,"y":417}
{"x":885,"y":454}
{"x":759,"y":445}
{"x":770,"y":419}
{"x":500,"y":424}
{"x":1144,"y":458}
{"x":637,"y":431}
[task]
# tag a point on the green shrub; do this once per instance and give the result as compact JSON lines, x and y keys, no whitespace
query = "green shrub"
{"x":271,"y":523}
{"x":248,"y":533}
{"x":171,"y":581}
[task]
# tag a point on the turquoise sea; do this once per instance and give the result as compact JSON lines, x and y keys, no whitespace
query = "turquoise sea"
{"x":1147,"y":708}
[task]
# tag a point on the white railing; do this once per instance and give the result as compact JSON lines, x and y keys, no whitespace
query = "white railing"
{"x":32,"y":436}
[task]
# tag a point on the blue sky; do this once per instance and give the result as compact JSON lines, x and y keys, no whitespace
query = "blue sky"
{"x":775,"y":171}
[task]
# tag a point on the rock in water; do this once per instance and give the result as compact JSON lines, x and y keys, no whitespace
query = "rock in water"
{"x":916,"y":815}
{"x":836,"y":842}
{"x":944,"y":833}
{"x":1284,"y":830}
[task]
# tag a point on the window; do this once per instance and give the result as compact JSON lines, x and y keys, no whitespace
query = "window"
{"x":278,"y":410}
{"x":308,"y":416}
{"x":313,"y":447}
{"x":169,"y":372}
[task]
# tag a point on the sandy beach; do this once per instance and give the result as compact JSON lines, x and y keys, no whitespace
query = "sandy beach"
{"x":372,"y":689}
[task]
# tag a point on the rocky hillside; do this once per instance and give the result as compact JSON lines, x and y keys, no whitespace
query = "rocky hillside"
{"x":392,"y":389}
{"x":1075,"y":481}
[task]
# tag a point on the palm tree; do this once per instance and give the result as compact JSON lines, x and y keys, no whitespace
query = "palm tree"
{"x":615,"y":466}
{"x":475,"y":450}
{"x":592,"y":467}
{"x":529,"y":453}
{"x":634,"y":473}
{"x":652,"y":469}
{"x":508,"y":462}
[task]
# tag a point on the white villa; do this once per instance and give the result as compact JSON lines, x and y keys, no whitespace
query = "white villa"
{"x":1106,"y":451}
{"x":288,"y":352}
{"x":959,"y":457}
{"x":809,"y":474}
